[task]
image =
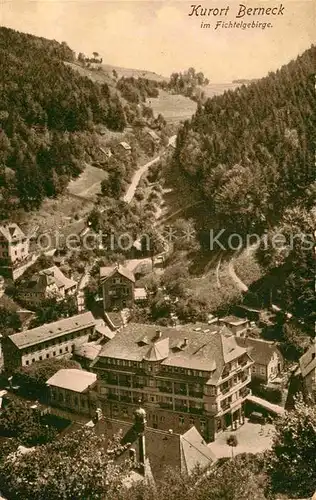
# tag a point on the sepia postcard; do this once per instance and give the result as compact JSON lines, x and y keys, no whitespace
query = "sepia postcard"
{"x":157,"y":250}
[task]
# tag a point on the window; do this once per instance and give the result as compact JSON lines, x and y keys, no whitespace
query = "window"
{"x":33,"y":360}
{"x":253,"y":368}
{"x":162,"y":418}
{"x":66,"y":348}
{"x":191,"y":421}
{"x":47,"y":355}
{"x":26,"y":362}
{"x":54,"y":353}
{"x":181,"y":419}
{"x":40,"y":358}
{"x":262,"y":370}
{"x":60,"y":351}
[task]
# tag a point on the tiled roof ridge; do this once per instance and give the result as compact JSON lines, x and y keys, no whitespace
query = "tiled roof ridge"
{"x":182,"y":437}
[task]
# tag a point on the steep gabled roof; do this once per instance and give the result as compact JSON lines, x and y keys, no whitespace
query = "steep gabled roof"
{"x":11,"y":232}
{"x":163,"y":449}
{"x":307,"y":361}
{"x":260,"y":350}
{"x":110,"y":271}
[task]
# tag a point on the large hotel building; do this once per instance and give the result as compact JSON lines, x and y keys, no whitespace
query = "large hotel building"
{"x":183,"y":376}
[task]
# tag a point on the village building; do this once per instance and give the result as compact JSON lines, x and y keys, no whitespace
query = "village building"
{"x":307,"y":371}
{"x":268,"y":359}
{"x":152,"y":134}
{"x":184,"y":376}
{"x":70,"y":389}
{"x":14,"y":245}
{"x":118,"y":284}
{"x":46,"y":284}
{"x":118,"y":288}
{"x":154,"y":450}
{"x":50,"y":340}
{"x":239,"y":326}
{"x":124,"y":147}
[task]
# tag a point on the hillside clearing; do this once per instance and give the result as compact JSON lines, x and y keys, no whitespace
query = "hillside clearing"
{"x":174,"y":108}
{"x":88,"y":184}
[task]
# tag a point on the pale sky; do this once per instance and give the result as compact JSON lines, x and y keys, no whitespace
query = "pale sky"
{"x":162,"y":37}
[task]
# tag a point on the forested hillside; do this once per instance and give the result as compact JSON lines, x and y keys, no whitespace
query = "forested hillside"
{"x":249,"y":153}
{"x":47,"y":111}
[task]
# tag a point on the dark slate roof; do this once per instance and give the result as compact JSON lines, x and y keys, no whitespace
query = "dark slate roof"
{"x":163,"y":449}
{"x":110,"y":271}
{"x":307,"y":361}
{"x":52,"y":330}
{"x":261,"y":351}
{"x":187,"y":348}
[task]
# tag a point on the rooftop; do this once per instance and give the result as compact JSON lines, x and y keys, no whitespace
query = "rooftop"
{"x":49,"y":276}
{"x":72,"y":380}
{"x":89,"y":350}
{"x":11,"y":232}
{"x":110,"y":271}
{"x":125,"y":145}
{"x":163,"y":449}
{"x":234,"y":320}
{"x":307,"y":361}
{"x":52,"y":330}
{"x":185,"y":347}
{"x":140,"y":294}
{"x":260,"y":350}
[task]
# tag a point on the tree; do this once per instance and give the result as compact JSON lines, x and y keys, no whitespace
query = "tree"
{"x":76,"y":466}
{"x":9,"y":321}
{"x":293,"y":460}
{"x":32,"y":379}
{"x":19,"y":421}
{"x":232,"y":442}
{"x":52,"y":310}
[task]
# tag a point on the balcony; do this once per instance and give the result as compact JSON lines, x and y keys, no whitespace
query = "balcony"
{"x":167,"y":406}
{"x":245,"y":392}
{"x":225,"y":390}
{"x":226,"y":373}
{"x":125,"y":383}
{"x":225,"y":406}
{"x":198,"y":395}
{"x":196,"y":410}
{"x":138,"y":385}
{"x":126,"y":399}
{"x":181,"y":392}
{"x":181,"y":409}
{"x":113,"y":397}
{"x":165,"y":389}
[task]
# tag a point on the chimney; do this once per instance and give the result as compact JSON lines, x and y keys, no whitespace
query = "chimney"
{"x":140,"y":425}
{"x":132,"y":455}
{"x":158,"y":334}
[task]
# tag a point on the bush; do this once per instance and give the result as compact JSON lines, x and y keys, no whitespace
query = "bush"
{"x":271,"y":394}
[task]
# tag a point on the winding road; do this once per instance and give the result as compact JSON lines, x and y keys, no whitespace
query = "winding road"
{"x":129,"y":195}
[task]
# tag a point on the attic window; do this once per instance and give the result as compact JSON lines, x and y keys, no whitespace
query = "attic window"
{"x":51,"y":331}
{"x":143,"y":341}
